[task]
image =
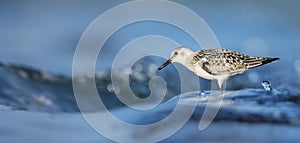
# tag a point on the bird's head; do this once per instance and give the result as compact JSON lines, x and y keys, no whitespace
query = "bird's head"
{"x":179,"y":55}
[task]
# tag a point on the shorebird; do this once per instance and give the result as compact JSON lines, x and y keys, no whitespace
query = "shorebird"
{"x":216,"y":64}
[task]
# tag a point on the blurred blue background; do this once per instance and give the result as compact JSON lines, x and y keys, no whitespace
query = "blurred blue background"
{"x":44,"y":34}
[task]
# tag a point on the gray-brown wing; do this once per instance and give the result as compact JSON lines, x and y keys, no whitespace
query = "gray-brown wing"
{"x":222,"y":61}
{"x":253,"y":62}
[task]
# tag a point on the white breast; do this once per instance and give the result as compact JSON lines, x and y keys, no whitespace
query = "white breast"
{"x":202,"y":73}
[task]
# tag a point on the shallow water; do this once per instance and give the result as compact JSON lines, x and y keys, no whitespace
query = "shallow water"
{"x":243,"y":111}
{"x":244,"y":116}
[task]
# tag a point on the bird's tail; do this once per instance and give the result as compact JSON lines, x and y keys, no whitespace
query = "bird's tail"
{"x":256,"y":61}
{"x":269,"y":60}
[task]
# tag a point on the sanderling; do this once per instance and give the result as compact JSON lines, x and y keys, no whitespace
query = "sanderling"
{"x":215,"y":64}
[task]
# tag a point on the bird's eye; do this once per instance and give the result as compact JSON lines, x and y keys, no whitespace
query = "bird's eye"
{"x":175,"y":53}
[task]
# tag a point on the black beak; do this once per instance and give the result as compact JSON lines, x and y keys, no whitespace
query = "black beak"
{"x":165,"y":64}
